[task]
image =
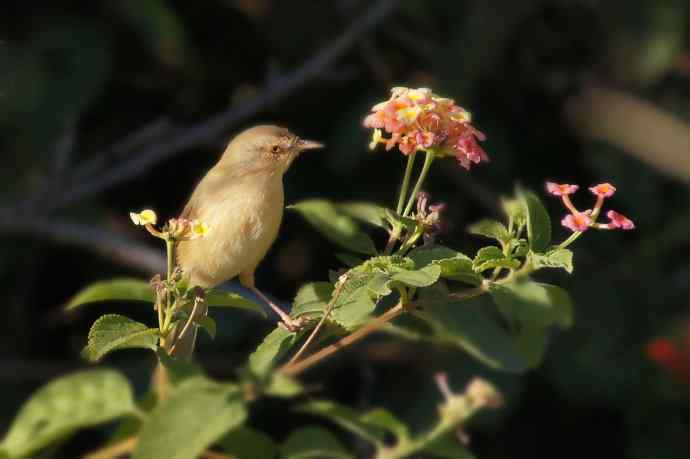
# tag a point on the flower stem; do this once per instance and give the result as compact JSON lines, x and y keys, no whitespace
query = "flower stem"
{"x":570,"y":240}
{"x":420,"y":181}
{"x":406,"y":181}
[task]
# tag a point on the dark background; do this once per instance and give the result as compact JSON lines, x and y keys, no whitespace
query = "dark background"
{"x":112,"y":106}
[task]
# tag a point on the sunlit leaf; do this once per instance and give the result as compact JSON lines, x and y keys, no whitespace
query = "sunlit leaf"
{"x":556,"y":258}
{"x":65,"y":405}
{"x":538,"y":221}
{"x":113,"y":331}
{"x":312,"y":299}
{"x":490,"y":229}
{"x":221,"y":298}
{"x":194,"y":417}
{"x":271,"y":349}
{"x":124,"y":289}
{"x":533,"y":303}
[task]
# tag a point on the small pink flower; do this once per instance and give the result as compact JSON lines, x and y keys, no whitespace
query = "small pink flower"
{"x":561,"y":190}
{"x":617,"y":220}
{"x":603,"y":190}
{"x":577,"y":222}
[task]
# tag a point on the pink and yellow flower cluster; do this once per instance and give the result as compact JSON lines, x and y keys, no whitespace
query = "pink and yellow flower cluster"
{"x":418,"y":119}
{"x":583,"y":220}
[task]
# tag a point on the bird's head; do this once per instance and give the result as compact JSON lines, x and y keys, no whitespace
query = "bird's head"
{"x":266,"y":148}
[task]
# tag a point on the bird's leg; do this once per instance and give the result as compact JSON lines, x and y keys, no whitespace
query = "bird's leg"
{"x":247,"y":280}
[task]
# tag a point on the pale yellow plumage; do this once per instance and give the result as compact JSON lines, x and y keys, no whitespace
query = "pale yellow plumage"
{"x":241,"y":199}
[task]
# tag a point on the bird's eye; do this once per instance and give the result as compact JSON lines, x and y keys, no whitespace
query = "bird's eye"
{"x":275,"y":149}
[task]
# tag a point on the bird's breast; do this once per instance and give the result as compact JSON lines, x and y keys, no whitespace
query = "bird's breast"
{"x":243,"y":224}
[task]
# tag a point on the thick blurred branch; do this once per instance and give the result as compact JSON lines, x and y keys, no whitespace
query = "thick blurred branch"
{"x":637,"y":127}
{"x":201,"y":133}
{"x":109,"y":244}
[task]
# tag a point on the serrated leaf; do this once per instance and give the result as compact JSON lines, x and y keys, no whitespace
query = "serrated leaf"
{"x":312,"y":299}
{"x":124,"y":289}
{"x":533,"y":303}
{"x":222,"y":299}
{"x":379,"y":285}
{"x":338,"y":228}
{"x":423,"y":277}
{"x":349,"y":260}
{"x":454,"y":265}
{"x":247,"y":443}
{"x":514,"y":209}
{"x":557,"y":258}
{"x":367,"y":212}
{"x":313,"y":442}
{"x":345,"y":417}
{"x":465,"y":324}
{"x":194,"y":417}
{"x":538,"y":221}
{"x":354,"y":307}
{"x":492,"y":257}
{"x":65,"y":405}
{"x":271,"y":349}
{"x":113,"y":331}
{"x":490,"y":229}
{"x":208,"y":324}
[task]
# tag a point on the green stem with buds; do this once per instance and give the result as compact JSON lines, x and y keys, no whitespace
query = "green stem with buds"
{"x":420,"y":181}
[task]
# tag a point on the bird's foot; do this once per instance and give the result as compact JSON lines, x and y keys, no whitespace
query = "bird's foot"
{"x":293,"y":325}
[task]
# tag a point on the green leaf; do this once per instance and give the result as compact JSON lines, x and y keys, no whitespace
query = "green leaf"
{"x":492,"y":257}
{"x":448,"y":447}
{"x":384,"y":419}
{"x":423,"y":277}
{"x":194,"y":417}
{"x":556,"y":258}
{"x":379,"y":285}
{"x":532,"y":303}
{"x":223,"y":299}
{"x":273,"y":347}
{"x":345,"y":417}
{"x":349,"y":260}
{"x":538,"y":221}
{"x":490,"y":229}
{"x":247,"y":443}
{"x":465,"y":324}
{"x":312,"y":299}
{"x":65,"y":405}
{"x":338,"y":228}
{"x":313,"y":442}
{"x":365,"y":211}
{"x":207,"y":324}
{"x":124,"y":289}
{"x":282,"y":386}
{"x":113,"y":331}
{"x":454,"y":265}
{"x":515,"y":209}
{"x":178,"y":370}
{"x":532,"y":341}
{"x":354,"y":305}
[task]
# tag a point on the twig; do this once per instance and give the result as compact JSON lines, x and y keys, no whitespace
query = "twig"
{"x":214,"y":455}
{"x":366,"y":330}
{"x":186,"y":326}
{"x":98,"y":240}
{"x":200,"y":133}
{"x":329,"y":308}
{"x":116,"y":450}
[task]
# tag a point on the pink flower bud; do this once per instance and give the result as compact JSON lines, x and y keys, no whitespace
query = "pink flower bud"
{"x":619,"y":220}
{"x":561,"y":190}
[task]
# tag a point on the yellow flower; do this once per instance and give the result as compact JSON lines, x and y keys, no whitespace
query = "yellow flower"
{"x":143,"y":218}
{"x":199,"y":229}
{"x":408,"y":115}
{"x":375,"y":139}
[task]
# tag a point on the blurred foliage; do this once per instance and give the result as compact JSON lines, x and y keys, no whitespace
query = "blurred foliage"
{"x":103,"y":69}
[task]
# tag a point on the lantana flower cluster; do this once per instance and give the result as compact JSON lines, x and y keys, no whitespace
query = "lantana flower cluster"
{"x":418,"y":119}
{"x":178,"y":229}
{"x":579,"y":221}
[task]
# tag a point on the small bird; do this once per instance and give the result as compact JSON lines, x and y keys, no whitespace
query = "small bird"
{"x":241,"y":200}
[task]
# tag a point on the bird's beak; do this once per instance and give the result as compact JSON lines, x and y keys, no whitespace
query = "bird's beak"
{"x":308,"y":144}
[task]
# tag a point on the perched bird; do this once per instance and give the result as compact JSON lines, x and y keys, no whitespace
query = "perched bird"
{"x":241,"y":200}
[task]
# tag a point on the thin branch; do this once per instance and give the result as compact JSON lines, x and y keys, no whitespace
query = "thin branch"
{"x":116,"y":450}
{"x":202,"y":132}
{"x":110,"y":244}
{"x":364,"y":331}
